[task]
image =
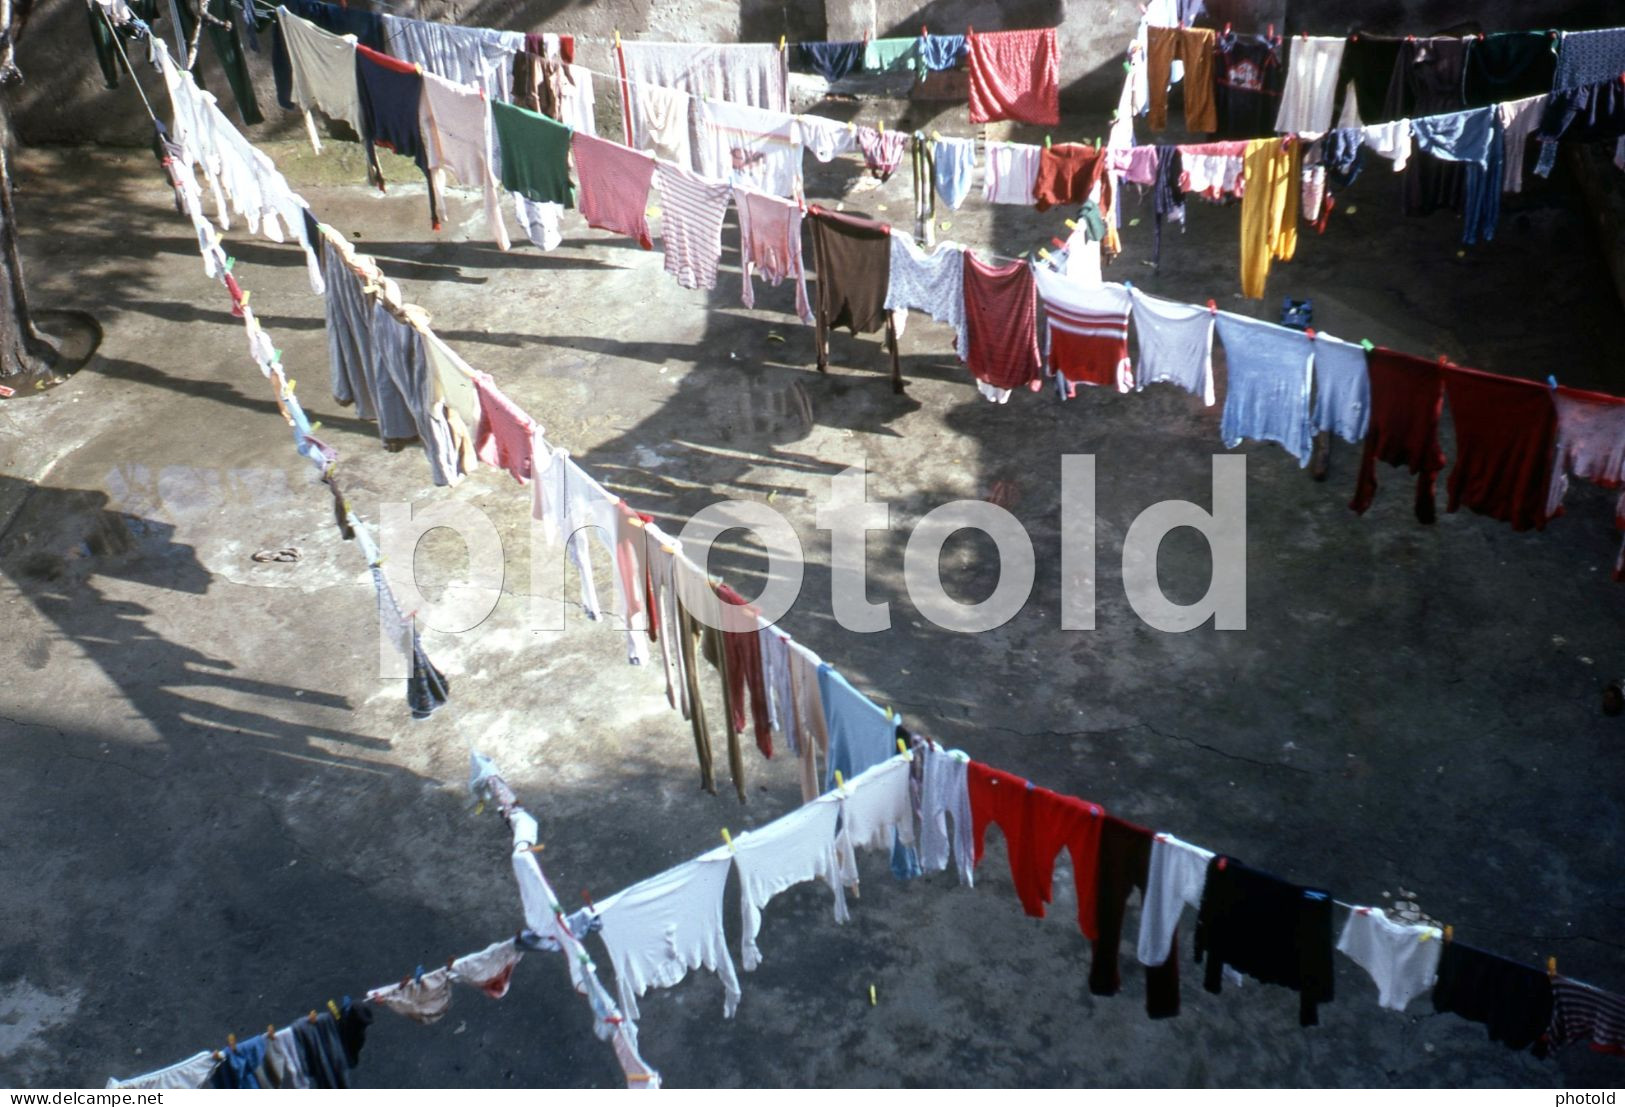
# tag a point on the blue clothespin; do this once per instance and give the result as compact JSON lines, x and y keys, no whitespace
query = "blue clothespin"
{"x":417,"y":977}
{"x":1552,"y":381}
{"x":1128,"y":284}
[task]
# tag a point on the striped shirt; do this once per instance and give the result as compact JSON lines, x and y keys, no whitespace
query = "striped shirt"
{"x":692,"y":210}
{"x":1001,"y":311}
{"x":1087,"y":331}
{"x":1012,"y":170}
{"x":1581,"y":1012}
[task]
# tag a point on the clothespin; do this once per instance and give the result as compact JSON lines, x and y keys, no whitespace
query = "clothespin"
{"x":1047,"y":143}
{"x":1223,"y":862}
{"x":1128,"y":284}
{"x":1043,"y":253}
{"x":231,"y":1041}
{"x":417,"y":976}
{"x":1057,"y":243}
{"x":617,"y":40}
{"x":1551,"y":967}
{"x":728,"y":839}
{"x":840,"y":785}
{"x":1310,"y":331}
{"x":851,"y":127}
{"x":1213,"y":307}
{"x":270,"y":1030}
{"x":1071,"y":224}
{"x":1227,"y":28}
{"x":1551,"y":382}
{"x":1271,"y":32}
{"x":902,"y":748}
{"x":1449,"y":933}
{"x":1097,"y":142}
{"x":1367,"y":345}
{"x":782,"y":43}
{"x":311,"y":1016}
{"x":936,"y":136}
{"x":333,"y":1008}
{"x":925,"y":32}
{"x":881,"y":126}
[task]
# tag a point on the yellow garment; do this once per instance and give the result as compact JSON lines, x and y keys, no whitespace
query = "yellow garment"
{"x":1269,"y":209}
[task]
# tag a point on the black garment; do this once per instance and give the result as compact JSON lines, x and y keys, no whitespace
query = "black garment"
{"x":1590,"y":113}
{"x":389,"y":117}
{"x":1247,"y":81}
{"x":852,"y":256}
{"x":1261,"y":925}
{"x":1427,"y":81}
{"x":1513,"y":1000}
{"x":1167,"y":197}
{"x":229,"y":47}
{"x":353,"y":1030}
{"x":831,"y":60}
{"x":1124,"y":865}
{"x":102,"y":37}
{"x":322,"y":1051}
{"x":1509,"y":67}
{"x":426,"y":689}
{"x":1369,"y":61}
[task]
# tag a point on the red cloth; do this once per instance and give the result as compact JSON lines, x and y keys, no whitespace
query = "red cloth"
{"x":1037,"y":824}
{"x":614,"y":194}
{"x":1001,"y":313}
{"x":505,"y":435}
{"x":385,"y":61}
{"x":1506,"y":434}
{"x":630,"y":564}
{"x":1015,"y":75}
{"x":1407,"y":396}
{"x":744,"y":650}
{"x":1067,"y":174}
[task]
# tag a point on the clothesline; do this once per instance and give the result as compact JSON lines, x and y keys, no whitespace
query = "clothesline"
{"x":517,"y":834}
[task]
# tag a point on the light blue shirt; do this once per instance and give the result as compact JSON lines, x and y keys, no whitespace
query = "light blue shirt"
{"x":1270,"y":377}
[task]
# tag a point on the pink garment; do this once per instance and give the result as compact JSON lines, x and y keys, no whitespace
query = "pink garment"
{"x":770,"y":240}
{"x":615,"y":182}
{"x":1015,"y":75}
{"x":1137,"y":164}
{"x":882,"y":150}
{"x":692,"y":210}
{"x":503,"y":437}
{"x":1590,"y":445}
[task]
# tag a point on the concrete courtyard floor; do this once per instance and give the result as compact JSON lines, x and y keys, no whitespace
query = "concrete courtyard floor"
{"x":218,"y":816}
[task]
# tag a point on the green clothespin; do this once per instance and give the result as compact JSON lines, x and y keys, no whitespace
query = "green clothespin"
{"x":230,"y":261}
{"x":1047,"y":143}
{"x":1367,"y":345}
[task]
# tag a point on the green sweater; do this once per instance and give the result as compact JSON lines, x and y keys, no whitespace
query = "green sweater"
{"x":535,"y":154}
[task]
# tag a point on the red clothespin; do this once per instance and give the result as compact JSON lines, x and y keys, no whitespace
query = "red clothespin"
{"x":924,"y":31}
{"x":1362,"y":910}
{"x":1271,"y":32}
{"x":1443,"y":360}
{"x":1410,"y":38}
{"x":1227,"y":28}
{"x":1310,"y":331}
{"x":588,"y":898}
{"x":1355,"y":37}
{"x":1213,"y":307}
{"x":1058,"y":242}
{"x":1223,"y":861}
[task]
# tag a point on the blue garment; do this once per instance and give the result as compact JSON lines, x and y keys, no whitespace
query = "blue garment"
{"x":1270,"y":375}
{"x":389,"y":117}
{"x":832,"y":60}
{"x":237,"y":1065}
{"x":1587,"y":57}
{"x":938,"y":52}
{"x":860,"y":737}
{"x":1342,"y":388}
{"x":1587,"y":114}
{"x":1341,"y":155}
{"x":955,"y":160}
{"x":1476,"y":139}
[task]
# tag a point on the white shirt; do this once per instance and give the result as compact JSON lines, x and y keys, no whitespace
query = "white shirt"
{"x":1012,"y":170}
{"x":1311,"y":85}
{"x":659,"y":929}
{"x":1176,"y":344}
{"x":323,"y":68}
{"x":945,"y":795}
{"x":876,"y":803}
{"x":1402,"y":958}
{"x":1176,"y":877}
{"x":788,"y":851}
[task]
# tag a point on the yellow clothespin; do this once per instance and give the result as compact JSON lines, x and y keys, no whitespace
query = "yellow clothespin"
{"x":1043,"y":253}
{"x":617,"y":40}
{"x":1551,"y":967}
{"x":782,"y":43}
{"x":882,"y":126}
{"x":851,"y":127}
{"x":840,"y":785}
{"x":334,"y":1009}
{"x":231,"y":1041}
{"x":871,"y":995}
{"x":936,"y":136}
{"x":902,"y":748}
{"x":538,"y":847}
{"x":1449,"y":933}
{"x":728,"y":839}
{"x":1072,"y":224}
{"x":890,"y":715}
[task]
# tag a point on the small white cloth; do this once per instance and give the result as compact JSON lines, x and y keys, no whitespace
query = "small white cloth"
{"x":825,"y":139}
{"x":1403,"y":958}
{"x":1391,"y":141}
{"x":577,"y":104}
{"x":945,"y":797}
{"x":933,"y":283}
{"x":1176,"y":877}
{"x":1175,"y":345}
{"x":1310,"y":94}
{"x":660,"y":125}
{"x":490,"y":969}
{"x":1012,"y":170}
{"x":190,"y":1073}
{"x":790,"y":850}
{"x":659,"y":929}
